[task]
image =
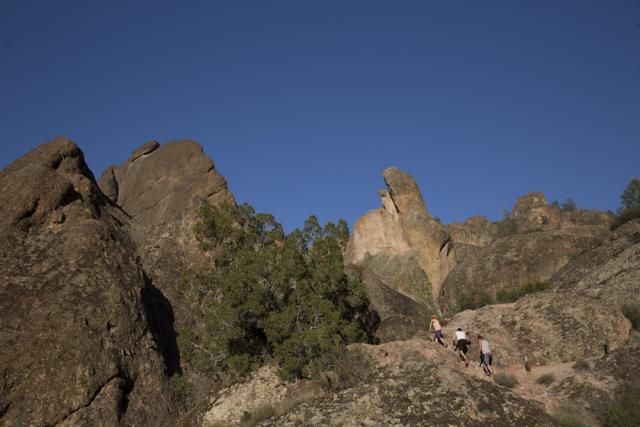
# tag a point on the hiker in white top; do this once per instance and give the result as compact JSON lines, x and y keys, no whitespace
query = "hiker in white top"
{"x":462,"y":345}
{"x":485,"y":355}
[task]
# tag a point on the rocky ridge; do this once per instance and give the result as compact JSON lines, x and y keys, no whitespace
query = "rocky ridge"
{"x":75,"y":305}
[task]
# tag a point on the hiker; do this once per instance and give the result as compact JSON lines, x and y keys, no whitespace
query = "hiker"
{"x":485,"y":355}
{"x":437,"y":330}
{"x":462,"y":346}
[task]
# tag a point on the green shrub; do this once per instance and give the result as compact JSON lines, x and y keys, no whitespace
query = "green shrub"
{"x":546,"y":379}
{"x":632,"y":312}
{"x":567,"y":416}
{"x":625,"y":216}
{"x":511,"y":295}
{"x":505,"y":380}
{"x":250,"y":419}
{"x":339,"y":370}
{"x":624,"y":411}
{"x":581,"y":365}
{"x":268,"y":295}
{"x":180,"y":387}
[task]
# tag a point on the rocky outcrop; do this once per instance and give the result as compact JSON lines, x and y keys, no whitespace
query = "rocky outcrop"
{"x":513,"y":262}
{"x":75,"y":320}
{"x":401,"y":245}
{"x":158,"y":182}
{"x":532,"y":212}
{"x":475,"y":231}
{"x":610,"y":272}
{"x":400,"y":317}
{"x":161,"y":187}
{"x":409,"y":385}
{"x":547,"y":327}
{"x":262,"y":389}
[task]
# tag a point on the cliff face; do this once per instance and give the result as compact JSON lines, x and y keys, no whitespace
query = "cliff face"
{"x":78,"y":342}
{"x":161,"y":188}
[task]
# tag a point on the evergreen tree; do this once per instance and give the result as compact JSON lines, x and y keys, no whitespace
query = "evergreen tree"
{"x":271,"y":295}
{"x":630,"y":197}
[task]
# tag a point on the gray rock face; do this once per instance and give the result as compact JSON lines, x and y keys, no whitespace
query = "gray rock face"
{"x":158,"y":182}
{"x":515,"y":261}
{"x":400,"y":316}
{"x":610,"y":272}
{"x":75,"y":323}
{"x":547,"y":327}
{"x":161,"y":188}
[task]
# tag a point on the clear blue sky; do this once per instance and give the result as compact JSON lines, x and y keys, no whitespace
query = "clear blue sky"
{"x":302,"y":104}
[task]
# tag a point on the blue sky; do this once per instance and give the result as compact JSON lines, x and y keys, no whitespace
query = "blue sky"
{"x":302,"y":104}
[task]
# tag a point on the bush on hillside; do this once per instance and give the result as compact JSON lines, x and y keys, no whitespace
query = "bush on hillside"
{"x":271,"y":296}
{"x":511,"y":295}
{"x":546,"y":379}
{"x":581,"y":365}
{"x":624,"y":411}
{"x":625,"y":216}
{"x":567,"y":416}
{"x":505,"y":380}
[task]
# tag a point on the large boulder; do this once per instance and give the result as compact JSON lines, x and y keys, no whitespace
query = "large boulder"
{"x":78,"y":345}
{"x":513,"y":262}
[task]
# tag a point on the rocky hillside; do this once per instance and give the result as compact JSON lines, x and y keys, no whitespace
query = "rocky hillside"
{"x":90,"y":310}
{"x":77,"y":325}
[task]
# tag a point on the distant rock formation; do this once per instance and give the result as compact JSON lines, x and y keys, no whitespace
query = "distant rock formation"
{"x":78,"y":342}
{"x":399,"y":246}
{"x":513,"y":262}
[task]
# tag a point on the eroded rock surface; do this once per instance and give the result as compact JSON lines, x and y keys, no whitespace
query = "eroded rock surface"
{"x":515,"y":261}
{"x":410,"y":385}
{"x":161,"y":187}
{"x":547,"y":327}
{"x":77,"y":342}
{"x":610,"y":272}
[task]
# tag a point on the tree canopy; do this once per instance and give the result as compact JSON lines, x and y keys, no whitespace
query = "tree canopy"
{"x":273,"y":296}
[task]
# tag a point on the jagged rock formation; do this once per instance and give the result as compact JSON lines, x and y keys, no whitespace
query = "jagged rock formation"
{"x":161,"y":188}
{"x":532,"y":212}
{"x":76,"y":314}
{"x":158,"y":182}
{"x":409,"y":385}
{"x":399,"y":246}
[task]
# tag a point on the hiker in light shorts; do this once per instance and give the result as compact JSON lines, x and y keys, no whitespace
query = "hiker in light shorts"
{"x":485,"y":355}
{"x":437,"y":330}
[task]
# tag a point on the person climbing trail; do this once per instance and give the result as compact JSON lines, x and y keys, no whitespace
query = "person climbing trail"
{"x":462,"y":345}
{"x":485,"y":355}
{"x":437,"y":330}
